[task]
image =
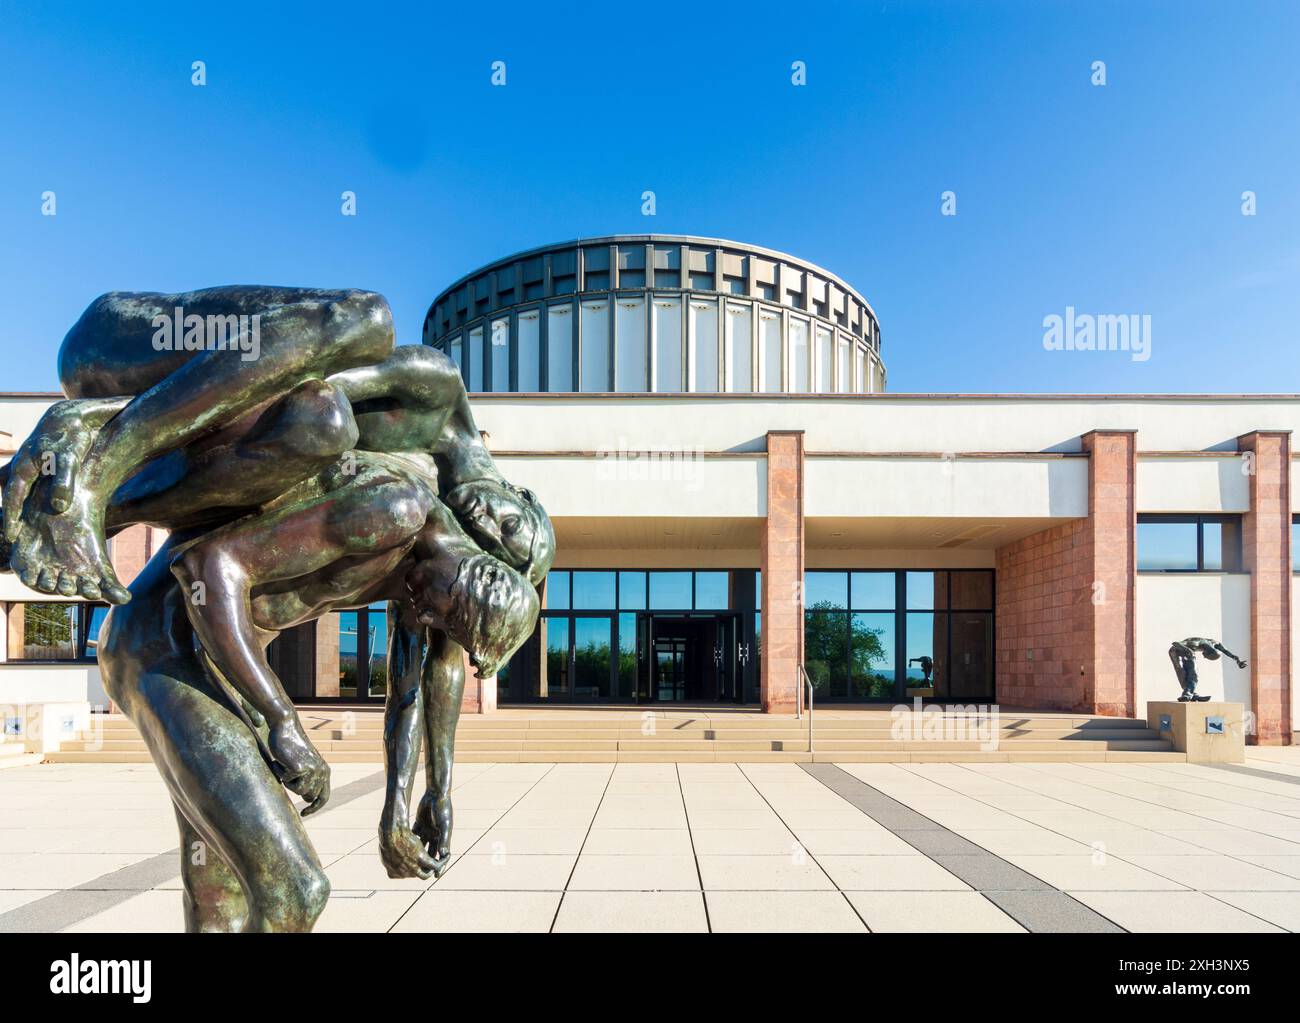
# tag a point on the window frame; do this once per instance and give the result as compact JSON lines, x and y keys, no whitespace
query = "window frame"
{"x":1233,"y":561}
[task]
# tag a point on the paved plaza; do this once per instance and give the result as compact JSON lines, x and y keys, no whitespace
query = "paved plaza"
{"x":718,"y":847}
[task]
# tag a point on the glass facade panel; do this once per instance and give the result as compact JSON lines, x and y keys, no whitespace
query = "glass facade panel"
{"x":844,"y":371}
{"x":595,"y":346}
{"x":557,"y":591}
{"x":670,"y":591}
{"x":1166,"y":547}
{"x":739,"y":340}
{"x":859,"y":370}
{"x":871,"y":669}
{"x":593,"y":591}
{"x":555,"y":680}
{"x":631,"y":591}
{"x":668,"y":344}
{"x":798,"y":372}
{"x":631,"y":361}
{"x":592,"y":661}
{"x":626,"y":657}
{"x":704,"y":346}
{"x":349,"y":647}
{"x":501,"y":354}
{"x":377,"y":634}
{"x":825,"y":590}
{"x":769,"y":347}
{"x":458,"y":354}
{"x":826,"y":647}
{"x":927,"y":639}
{"x":874,"y":591}
{"x":711,"y":591}
{"x":475,"y":355}
{"x":823,"y":361}
{"x":921,"y":590}
{"x":530,"y":341}
{"x":44,"y":632}
{"x":559,"y":348}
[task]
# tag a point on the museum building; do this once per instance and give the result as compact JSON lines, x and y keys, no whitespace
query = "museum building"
{"x":740,"y":504}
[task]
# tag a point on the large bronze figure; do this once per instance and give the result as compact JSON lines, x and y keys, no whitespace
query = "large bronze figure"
{"x":329,"y":471}
{"x":1183,"y":655}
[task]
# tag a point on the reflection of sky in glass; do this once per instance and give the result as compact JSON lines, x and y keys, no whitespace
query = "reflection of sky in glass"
{"x":557,"y":590}
{"x":593,"y":590}
{"x":882,"y":625}
{"x":1162,"y":546}
{"x":873,"y":589}
{"x":631,"y":590}
{"x":826,"y":589}
{"x":920,"y":589}
{"x":670,"y":590}
{"x":711,"y":591}
{"x":1212,"y":546}
{"x":348,"y":633}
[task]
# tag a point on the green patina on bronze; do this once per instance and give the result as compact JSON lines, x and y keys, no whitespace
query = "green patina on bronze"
{"x":330,"y":471}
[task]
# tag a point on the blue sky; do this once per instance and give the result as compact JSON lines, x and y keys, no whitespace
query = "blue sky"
{"x":1118,"y":199}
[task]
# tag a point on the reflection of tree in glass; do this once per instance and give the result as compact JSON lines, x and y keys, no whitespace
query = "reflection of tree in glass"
{"x":591,"y":665}
{"x":833,"y":639}
{"x":49,"y":631}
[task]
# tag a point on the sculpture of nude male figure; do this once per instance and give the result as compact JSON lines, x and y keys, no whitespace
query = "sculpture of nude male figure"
{"x":340,"y":539}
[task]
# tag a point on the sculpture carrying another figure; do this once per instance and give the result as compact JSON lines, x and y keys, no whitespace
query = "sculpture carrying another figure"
{"x":1183,"y":655}
{"x":329,"y":471}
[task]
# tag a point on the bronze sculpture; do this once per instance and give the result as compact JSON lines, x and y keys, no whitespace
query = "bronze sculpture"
{"x":332,"y":470}
{"x":1183,"y":655}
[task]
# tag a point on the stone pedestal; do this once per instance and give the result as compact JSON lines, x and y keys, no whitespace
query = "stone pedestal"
{"x":1194,"y":729}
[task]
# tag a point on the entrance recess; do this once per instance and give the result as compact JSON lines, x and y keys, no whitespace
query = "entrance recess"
{"x":690,"y":657}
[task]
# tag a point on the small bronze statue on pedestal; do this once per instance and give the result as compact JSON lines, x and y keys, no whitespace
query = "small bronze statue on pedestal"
{"x":1183,"y":654}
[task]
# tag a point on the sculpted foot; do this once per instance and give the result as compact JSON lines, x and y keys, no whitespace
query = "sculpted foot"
{"x":66,"y":553}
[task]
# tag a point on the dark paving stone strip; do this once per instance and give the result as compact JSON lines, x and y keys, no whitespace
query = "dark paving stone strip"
{"x":1257,"y":772}
{"x":1033,"y":903}
{"x":63,"y":909}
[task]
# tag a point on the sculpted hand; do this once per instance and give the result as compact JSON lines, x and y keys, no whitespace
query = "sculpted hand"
{"x":433,"y":825}
{"x":402,"y":852}
{"x":301,"y":768}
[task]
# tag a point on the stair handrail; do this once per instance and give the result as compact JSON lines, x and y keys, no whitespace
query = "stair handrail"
{"x":804,"y":682}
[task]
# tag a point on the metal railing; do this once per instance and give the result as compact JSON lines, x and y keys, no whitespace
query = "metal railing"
{"x":805,"y":683}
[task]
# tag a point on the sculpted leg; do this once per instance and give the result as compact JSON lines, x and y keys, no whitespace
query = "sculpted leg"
{"x":444,"y":688}
{"x":212,"y":764}
{"x":214,"y":899}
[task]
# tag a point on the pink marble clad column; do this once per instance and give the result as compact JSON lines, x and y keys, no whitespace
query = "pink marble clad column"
{"x":782,"y":564}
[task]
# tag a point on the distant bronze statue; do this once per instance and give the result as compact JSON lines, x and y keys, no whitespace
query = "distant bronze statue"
{"x":927,"y":666}
{"x":327,"y":471}
{"x":1183,"y":655}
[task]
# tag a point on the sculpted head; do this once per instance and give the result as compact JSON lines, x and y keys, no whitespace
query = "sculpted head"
{"x":488,"y":608}
{"x":507,"y":522}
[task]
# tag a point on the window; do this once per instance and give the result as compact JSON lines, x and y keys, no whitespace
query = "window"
{"x":530,"y":371}
{"x":670,"y":591}
{"x":1189,"y":543}
{"x":1295,"y":544}
{"x":704,"y":346}
{"x":769,"y":347}
{"x":668,"y":343}
{"x":457,"y":355}
{"x":595,"y":346}
{"x":559,"y":348}
{"x":860,"y":370}
{"x":824,"y":356}
{"x":739,"y":342}
{"x":501,"y":354}
{"x":798,"y":373}
{"x":630,"y":344}
{"x":475,"y":356}
{"x":860,"y":644}
{"x":844,"y":378}
{"x":49,"y":631}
